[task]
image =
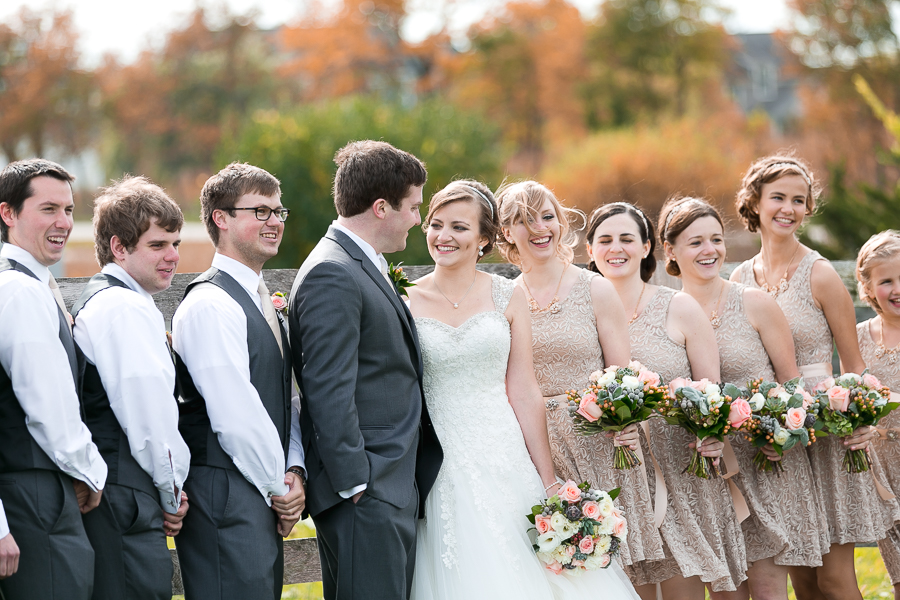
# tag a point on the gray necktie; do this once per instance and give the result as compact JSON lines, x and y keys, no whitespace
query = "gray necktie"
{"x":269,"y":312}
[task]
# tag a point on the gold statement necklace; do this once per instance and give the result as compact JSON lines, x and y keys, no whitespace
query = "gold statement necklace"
{"x":553,"y":307}
{"x":776,"y":290}
{"x":714,"y":318}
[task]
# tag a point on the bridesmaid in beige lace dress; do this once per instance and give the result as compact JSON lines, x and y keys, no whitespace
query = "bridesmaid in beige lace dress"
{"x":878,"y":277}
{"x":671,"y":336}
{"x":754,"y":341}
{"x":777,"y":193}
{"x":578,"y":325}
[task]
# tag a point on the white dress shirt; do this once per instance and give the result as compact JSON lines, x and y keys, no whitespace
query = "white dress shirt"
{"x":209,"y":332}
{"x":381,"y":264}
{"x":36,"y":362}
{"x":123,"y":334}
{"x":4,"y":526}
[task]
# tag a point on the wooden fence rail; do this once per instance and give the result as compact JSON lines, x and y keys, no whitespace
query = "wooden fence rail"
{"x":301,"y":558}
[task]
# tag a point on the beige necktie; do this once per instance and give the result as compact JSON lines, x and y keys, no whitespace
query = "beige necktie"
{"x":269,"y":312}
{"x":384,"y":271}
{"x":57,"y":295}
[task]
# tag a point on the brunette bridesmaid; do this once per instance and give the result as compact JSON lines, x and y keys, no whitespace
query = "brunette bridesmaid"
{"x":878,"y":281}
{"x":754,"y":342}
{"x":671,"y":336}
{"x":777,"y":193}
{"x":578,"y":326}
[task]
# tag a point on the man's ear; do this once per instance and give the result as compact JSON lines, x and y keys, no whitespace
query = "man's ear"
{"x":380,"y":208}
{"x":218,"y":217}
{"x":6,"y":213}
{"x":117,"y":248}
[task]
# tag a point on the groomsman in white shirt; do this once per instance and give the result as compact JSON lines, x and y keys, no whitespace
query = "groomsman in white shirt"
{"x":237,"y":414}
{"x":9,"y":551}
{"x":128,"y":395}
{"x":50,"y":470}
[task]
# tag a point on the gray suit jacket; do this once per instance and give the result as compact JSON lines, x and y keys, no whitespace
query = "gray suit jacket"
{"x":357,"y":362}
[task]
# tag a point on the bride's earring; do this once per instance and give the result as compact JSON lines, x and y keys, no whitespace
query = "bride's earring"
{"x":480,"y":250}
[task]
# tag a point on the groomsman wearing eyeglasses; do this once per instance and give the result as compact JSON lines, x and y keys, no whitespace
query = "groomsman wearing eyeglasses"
{"x":128,"y":396}
{"x":238,"y":418}
{"x":50,"y":470}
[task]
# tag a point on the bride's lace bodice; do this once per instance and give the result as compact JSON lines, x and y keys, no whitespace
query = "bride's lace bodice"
{"x":465,"y":390}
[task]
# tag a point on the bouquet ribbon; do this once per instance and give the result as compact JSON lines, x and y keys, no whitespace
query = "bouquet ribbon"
{"x":661,"y":499}
{"x":731,"y":465}
{"x":816,"y":371}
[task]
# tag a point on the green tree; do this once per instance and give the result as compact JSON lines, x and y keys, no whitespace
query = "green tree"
{"x":298,"y":147}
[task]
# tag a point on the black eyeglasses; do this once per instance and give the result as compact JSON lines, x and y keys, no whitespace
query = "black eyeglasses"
{"x":264,"y":212}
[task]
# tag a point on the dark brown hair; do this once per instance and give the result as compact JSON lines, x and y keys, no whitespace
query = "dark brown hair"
{"x":766,"y":170}
{"x":677,"y":215}
{"x":126,"y":209}
{"x":369,"y":170}
{"x":15,"y":184}
{"x":645,"y":227}
{"x":225,"y":188}
{"x":468,"y":190}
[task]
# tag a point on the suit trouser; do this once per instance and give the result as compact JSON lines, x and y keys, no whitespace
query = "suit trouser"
{"x":228,"y":547}
{"x":131,"y":558}
{"x":367,"y":549}
{"x":56,"y":560}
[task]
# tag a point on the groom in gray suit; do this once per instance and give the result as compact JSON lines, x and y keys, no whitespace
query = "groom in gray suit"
{"x":371,"y":451}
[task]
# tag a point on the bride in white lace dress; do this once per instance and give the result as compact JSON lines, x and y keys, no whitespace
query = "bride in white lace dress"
{"x":486,"y":407}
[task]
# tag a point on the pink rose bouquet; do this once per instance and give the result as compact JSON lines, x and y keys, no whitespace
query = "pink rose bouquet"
{"x":617,"y":397}
{"x":706,"y":410}
{"x":847,"y":403}
{"x":578,"y":529}
{"x":783,"y":417}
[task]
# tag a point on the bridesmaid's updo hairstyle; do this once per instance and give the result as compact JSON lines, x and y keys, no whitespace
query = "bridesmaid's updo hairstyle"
{"x":645,"y":226}
{"x":521,"y":202}
{"x":678,"y":213}
{"x":880,"y":248}
{"x":468,"y":190}
{"x":766,"y":170}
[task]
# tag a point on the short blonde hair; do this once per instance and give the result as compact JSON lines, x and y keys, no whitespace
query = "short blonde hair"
{"x":880,"y":248}
{"x":522,"y":201}
{"x":766,"y":170}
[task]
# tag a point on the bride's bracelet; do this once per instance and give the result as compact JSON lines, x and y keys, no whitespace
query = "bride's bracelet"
{"x":557,"y":482}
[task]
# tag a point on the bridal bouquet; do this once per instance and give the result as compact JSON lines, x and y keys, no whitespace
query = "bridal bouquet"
{"x":783,"y":416}
{"x":616,"y":398}
{"x":578,"y":529}
{"x":706,"y":410}
{"x":849,"y":402}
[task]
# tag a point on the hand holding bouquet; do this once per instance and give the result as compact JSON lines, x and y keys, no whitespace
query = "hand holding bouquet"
{"x":706,"y":410}
{"x":783,"y":416}
{"x":578,"y":529}
{"x":847,"y":403}
{"x":616,"y":398}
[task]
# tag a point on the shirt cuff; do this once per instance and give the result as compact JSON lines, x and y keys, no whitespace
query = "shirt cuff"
{"x":353,"y":491}
{"x":169,"y":502}
{"x":4,"y":526}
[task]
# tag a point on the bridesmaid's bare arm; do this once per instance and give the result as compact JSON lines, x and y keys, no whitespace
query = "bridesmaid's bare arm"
{"x":612,"y":326}
{"x":768,"y":319}
{"x":830,"y":294}
{"x":692,"y":326}
{"x":523,"y":390}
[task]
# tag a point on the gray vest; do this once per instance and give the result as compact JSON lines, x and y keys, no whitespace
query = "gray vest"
{"x":98,"y":415}
{"x":270,"y":374}
{"x":18,"y":450}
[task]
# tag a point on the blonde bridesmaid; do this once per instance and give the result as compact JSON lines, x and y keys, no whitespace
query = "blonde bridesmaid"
{"x":777,"y":193}
{"x":578,"y":326}
{"x":671,"y":336}
{"x":878,"y":281}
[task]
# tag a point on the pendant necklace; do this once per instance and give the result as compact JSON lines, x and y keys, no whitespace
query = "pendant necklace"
{"x":634,"y":316}
{"x":782,"y":286}
{"x":456,"y":304}
{"x":553,"y":307}
{"x":714,"y":318}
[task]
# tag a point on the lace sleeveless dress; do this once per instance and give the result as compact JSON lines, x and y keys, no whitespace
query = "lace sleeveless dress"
{"x":887,"y":369}
{"x":474,"y":541}
{"x":783,"y":522}
{"x":700,"y":531}
{"x":851,"y":509}
{"x":566,"y":351}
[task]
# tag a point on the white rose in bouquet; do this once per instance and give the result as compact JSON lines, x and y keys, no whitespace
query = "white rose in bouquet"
{"x":548,"y":542}
{"x":757,"y":401}
{"x":631,"y":382}
{"x":606,"y":505}
{"x":558,"y":521}
{"x":781,"y":436}
{"x":606,"y":378}
{"x":712,"y":390}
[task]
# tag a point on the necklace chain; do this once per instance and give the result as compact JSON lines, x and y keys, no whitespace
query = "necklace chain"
{"x":882,"y":350}
{"x":634,"y":315}
{"x":782,"y":286}
{"x":714,"y":318}
{"x":456,"y":304}
{"x":553,"y":307}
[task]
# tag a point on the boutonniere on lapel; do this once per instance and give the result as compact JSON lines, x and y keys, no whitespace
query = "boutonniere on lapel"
{"x":398,"y":276}
{"x":280,"y":302}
